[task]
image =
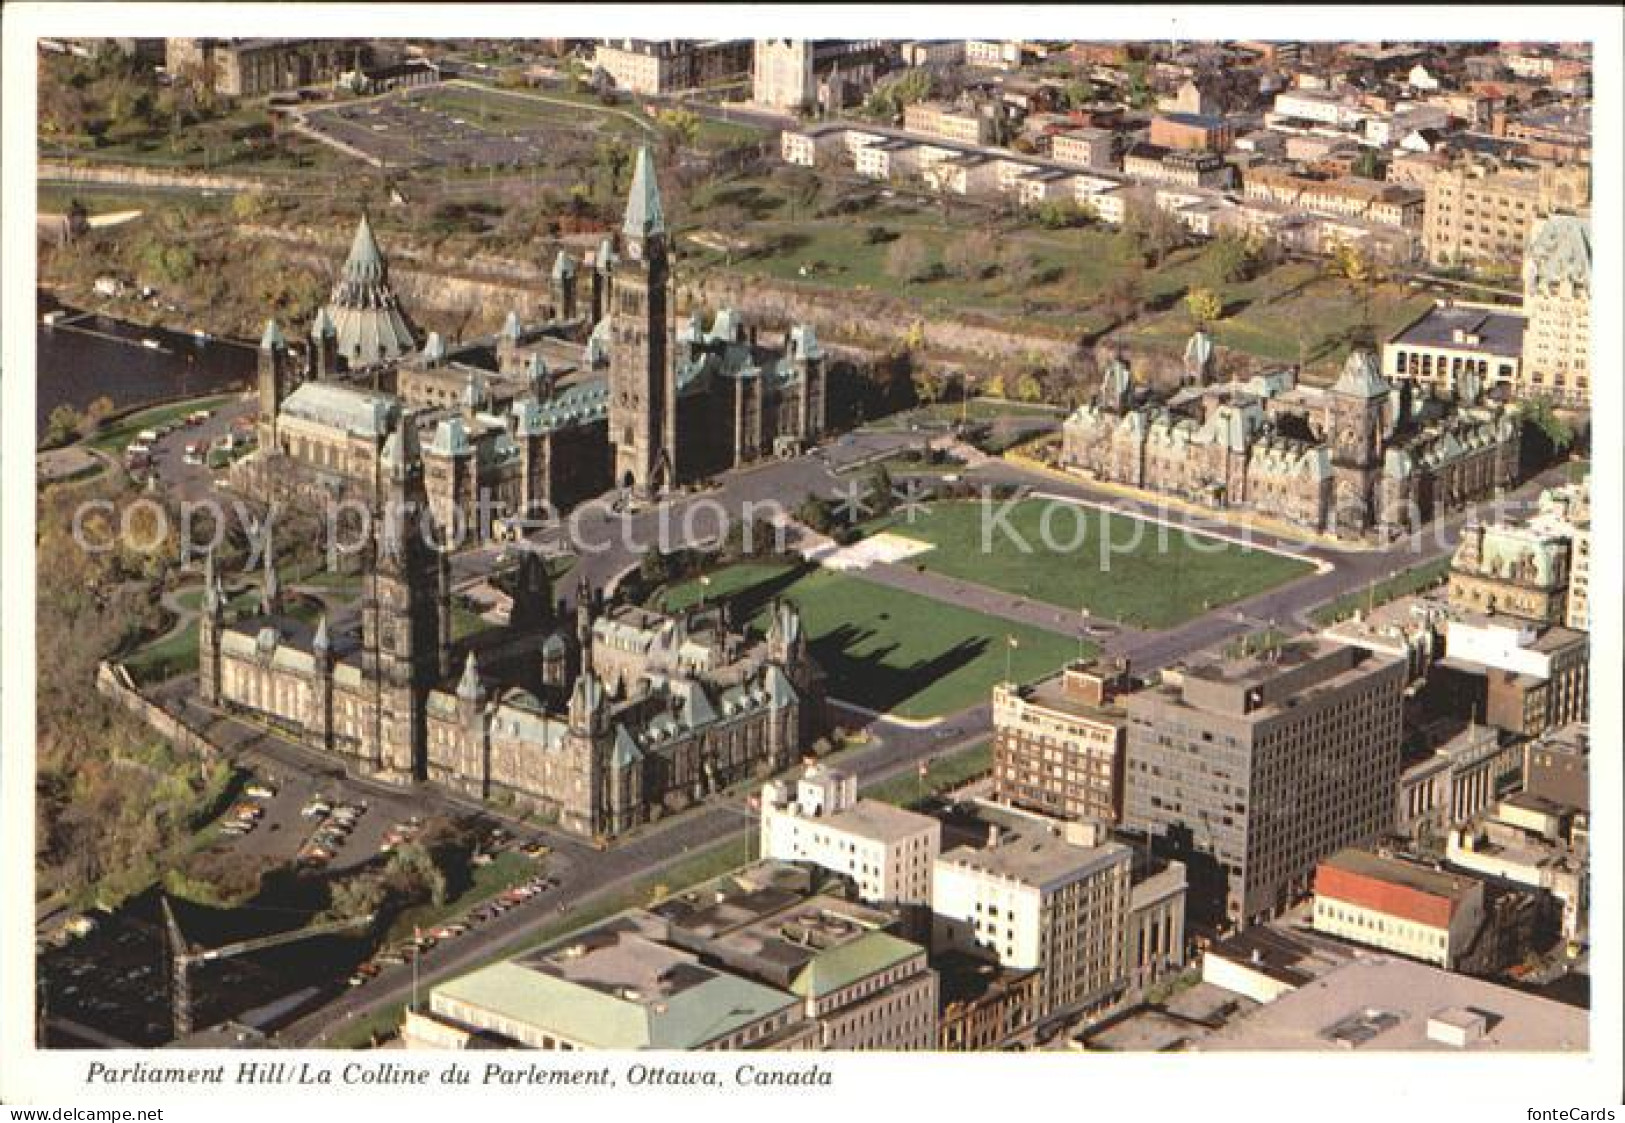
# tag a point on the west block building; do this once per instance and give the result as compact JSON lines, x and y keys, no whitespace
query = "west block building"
{"x":520,"y":712}
{"x":1252,"y":770}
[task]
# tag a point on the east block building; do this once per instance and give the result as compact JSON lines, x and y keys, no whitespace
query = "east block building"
{"x":1357,"y":458}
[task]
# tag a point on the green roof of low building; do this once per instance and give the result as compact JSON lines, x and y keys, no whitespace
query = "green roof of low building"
{"x":857,"y":959}
{"x":603,"y":1019}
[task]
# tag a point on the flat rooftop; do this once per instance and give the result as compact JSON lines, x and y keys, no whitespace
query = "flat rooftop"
{"x":1034,"y":856}
{"x":1286,"y":957}
{"x":1496,"y":332}
{"x":1422,"y":879}
{"x":883,"y":822}
{"x":614,"y":985}
{"x":1378,"y":1003}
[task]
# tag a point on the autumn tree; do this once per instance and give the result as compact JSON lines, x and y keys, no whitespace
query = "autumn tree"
{"x":1204,"y":306}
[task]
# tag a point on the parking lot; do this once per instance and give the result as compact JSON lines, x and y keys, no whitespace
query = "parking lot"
{"x":459,"y":128}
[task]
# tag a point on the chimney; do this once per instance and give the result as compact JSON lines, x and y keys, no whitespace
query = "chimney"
{"x":993,"y":835}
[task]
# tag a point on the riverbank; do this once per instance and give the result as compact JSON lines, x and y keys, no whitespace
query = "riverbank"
{"x":87,"y":356}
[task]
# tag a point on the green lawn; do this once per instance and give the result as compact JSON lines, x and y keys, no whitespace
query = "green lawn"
{"x":174,"y":655}
{"x":891,"y":651}
{"x":1121,"y":568}
{"x":112,"y":438}
{"x":909,"y":789}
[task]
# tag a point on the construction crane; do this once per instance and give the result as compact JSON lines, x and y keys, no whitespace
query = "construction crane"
{"x":184,"y":956}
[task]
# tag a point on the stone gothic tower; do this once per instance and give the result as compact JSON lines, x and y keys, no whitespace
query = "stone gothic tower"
{"x":276,"y":377}
{"x":404,"y":630}
{"x":562,"y":286}
{"x":1357,"y":413}
{"x":642,"y":378}
{"x":324,"y":346}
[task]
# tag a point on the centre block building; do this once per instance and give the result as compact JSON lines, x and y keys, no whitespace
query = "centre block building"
{"x":609,"y":390}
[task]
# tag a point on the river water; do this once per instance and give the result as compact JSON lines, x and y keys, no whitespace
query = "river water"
{"x":93,"y":356}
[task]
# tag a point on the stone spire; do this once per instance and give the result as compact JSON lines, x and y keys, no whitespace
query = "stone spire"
{"x":271,"y":590}
{"x":644,"y":215}
{"x":469,"y":687}
{"x":272,"y":340}
{"x":321,"y":645}
{"x":365,"y":265}
{"x":212,"y":599}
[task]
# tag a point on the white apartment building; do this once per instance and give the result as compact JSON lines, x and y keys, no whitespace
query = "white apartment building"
{"x":1037,"y":899}
{"x":887,"y":851}
{"x":1318,"y":105}
{"x":806,"y":149}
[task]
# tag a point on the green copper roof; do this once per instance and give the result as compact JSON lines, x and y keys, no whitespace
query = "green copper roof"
{"x":1559,"y":251}
{"x":365,"y":263}
{"x":1360,"y":377}
{"x":841,"y":967}
{"x":714,"y":1006}
{"x":643,"y":212}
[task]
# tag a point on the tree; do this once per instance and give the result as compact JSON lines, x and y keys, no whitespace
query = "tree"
{"x":1123,"y":296}
{"x":1058,"y":214}
{"x":1231,"y":258}
{"x":1204,"y":306}
{"x":1029,"y":389}
{"x":1153,"y":231}
{"x":971,"y":257}
{"x":62,"y":426}
{"x":994,"y":386}
{"x":906,"y":261}
{"x":681,"y":126}
{"x":655,"y":568}
{"x":1538,"y":412}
